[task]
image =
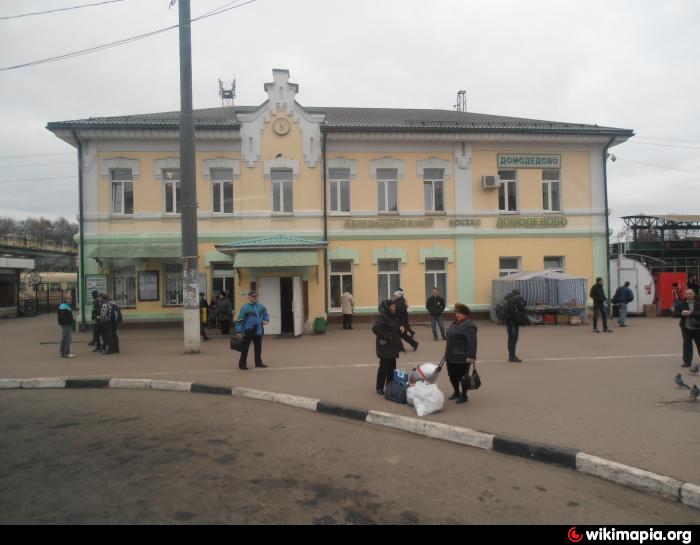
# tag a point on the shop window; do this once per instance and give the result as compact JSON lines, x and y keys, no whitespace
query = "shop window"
{"x":436,"y":277}
{"x":508,"y":266}
{"x":122,"y":191}
{"x":507,"y":191}
{"x":282,"y":192}
{"x":387,"y":190}
{"x":554,"y":263}
{"x":389,"y":278}
{"x":433,"y":190}
{"x":171,"y":178}
{"x":124,"y":286}
{"x":339,"y":189}
{"x":340,"y":281}
{"x":222,"y":190}
{"x":551,"y":198}
{"x":173,"y":284}
{"x":222,"y":279}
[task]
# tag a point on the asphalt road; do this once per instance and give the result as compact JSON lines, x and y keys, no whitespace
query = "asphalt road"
{"x":132,"y":457}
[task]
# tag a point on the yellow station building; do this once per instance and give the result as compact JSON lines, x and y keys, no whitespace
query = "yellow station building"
{"x":302,"y":203}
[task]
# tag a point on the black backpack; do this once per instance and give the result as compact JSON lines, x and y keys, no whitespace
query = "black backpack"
{"x":116,"y":317}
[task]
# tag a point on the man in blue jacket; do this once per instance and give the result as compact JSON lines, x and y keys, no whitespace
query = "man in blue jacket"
{"x":251,"y":321}
{"x":65,"y":320}
{"x":623,"y":296}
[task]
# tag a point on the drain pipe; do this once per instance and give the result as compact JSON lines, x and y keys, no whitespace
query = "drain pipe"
{"x":325,"y":227}
{"x":81,"y":270}
{"x":607,"y":223}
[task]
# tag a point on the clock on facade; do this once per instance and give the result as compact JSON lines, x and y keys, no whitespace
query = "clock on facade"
{"x":281,"y":126}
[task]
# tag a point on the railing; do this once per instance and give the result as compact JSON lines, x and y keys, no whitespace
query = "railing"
{"x":34,"y":244}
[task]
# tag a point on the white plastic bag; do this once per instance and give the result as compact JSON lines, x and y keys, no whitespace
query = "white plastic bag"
{"x":427,"y":398}
{"x":409,"y":395}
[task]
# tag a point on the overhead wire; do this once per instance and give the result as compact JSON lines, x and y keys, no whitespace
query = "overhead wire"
{"x":58,"y":9}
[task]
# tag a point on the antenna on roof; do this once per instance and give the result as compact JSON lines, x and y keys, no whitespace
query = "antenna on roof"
{"x":461,"y":105}
{"x":227,"y":95}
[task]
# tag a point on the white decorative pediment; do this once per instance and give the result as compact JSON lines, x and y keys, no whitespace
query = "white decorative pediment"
{"x":281,"y":162}
{"x":387,"y":162}
{"x":219,"y":162}
{"x":161,"y":164}
{"x":118,"y":163}
{"x":388,"y":253}
{"x":436,"y":252}
{"x":344,"y":254}
{"x":434,"y":162}
{"x":340,"y":162}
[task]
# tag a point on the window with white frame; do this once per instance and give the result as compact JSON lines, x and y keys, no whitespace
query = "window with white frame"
{"x":340,"y":189}
{"x":551,"y":198}
{"x":507,"y":191}
{"x":389,"y":278}
{"x":171,"y":180}
{"x":436,"y":277}
{"x":282,"y":195}
{"x":508,"y":266}
{"x":122,"y":191}
{"x":222,"y":190}
{"x":124,"y":285}
{"x":433,"y":189}
{"x":173,"y":284}
{"x":554,"y":263}
{"x":387,"y":190}
{"x":341,"y":281}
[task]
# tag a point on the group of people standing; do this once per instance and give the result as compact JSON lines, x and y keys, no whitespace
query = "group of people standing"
{"x":106,"y":316}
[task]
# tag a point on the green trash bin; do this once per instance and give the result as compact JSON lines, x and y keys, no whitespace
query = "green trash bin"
{"x":320,"y":325}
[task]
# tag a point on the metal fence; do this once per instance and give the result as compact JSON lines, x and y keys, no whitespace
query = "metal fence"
{"x":44,"y":302}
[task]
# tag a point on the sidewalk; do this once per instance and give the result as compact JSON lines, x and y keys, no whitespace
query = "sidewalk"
{"x":601,"y":393}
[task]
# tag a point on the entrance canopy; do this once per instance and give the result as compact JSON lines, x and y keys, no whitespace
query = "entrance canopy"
{"x":274,"y":251}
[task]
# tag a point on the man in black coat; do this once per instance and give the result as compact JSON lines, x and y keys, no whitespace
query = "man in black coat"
{"x":435,"y":306}
{"x":402,"y":315}
{"x":388,"y":342}
{"x":97,"y":337}
{"x":515,"y":315}
{"x":599,"y":298}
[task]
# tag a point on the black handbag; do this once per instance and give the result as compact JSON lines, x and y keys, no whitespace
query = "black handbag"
{"x":237,"y":342}
{"x":473,"y":380}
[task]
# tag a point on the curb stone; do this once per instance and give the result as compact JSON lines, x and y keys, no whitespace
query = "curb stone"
{"x":624,"y":475}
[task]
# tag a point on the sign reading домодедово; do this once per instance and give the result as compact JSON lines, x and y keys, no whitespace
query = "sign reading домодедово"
{"x":529,"y":160}
{"x":538,"y":221}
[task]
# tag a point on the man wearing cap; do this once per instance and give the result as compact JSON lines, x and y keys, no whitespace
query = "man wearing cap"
{"x":251,"y":321}
{"x":402,"y":315}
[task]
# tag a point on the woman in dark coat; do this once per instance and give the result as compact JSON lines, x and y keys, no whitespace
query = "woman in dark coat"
{"x":388,"y":332}
{"x":460,"y":351}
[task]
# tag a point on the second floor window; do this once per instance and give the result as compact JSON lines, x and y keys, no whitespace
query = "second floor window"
{"x":171,"y":179}
{"x":551,"y":200}
{"x":282,"y":191}
{"x":339,"y":179}
{"x":122,"y":191}
{"x":433,"y":190}
{"x":507,"y":196}
{"x":222,"y":190}
{"x":387,"y":197}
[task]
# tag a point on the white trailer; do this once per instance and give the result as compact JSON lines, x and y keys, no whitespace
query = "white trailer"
{"x":623,"y":270}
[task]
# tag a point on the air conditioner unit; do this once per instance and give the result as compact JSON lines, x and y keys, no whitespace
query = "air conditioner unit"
{"x":491,"y":182}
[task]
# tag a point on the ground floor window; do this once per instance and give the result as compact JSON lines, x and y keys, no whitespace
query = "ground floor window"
{"x":341,"y":281}
{"x":508,"y":266}
{"x":554,"y":263}
{"x":221,"y":278}
{"x":124,"y":285}
{"x":436,"y":277}
{"x":389,"y":278}
{"x":173,"y":284}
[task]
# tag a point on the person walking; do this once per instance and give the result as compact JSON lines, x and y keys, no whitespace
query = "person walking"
{"x":388,"y":346}
{"x":514,"y":316}
{"x":65,"y":320}
{"x":460,"y":351}
{"x":223,"y":313}
{"x":623,"y":296}
{"x":598,"y":295}
{"x":690,"y":326}
{"x":251,"y":321}
{"x":347,"y":305}
{"x":107,"y":325}
{"x":203,"y":309}
{"x":402,"y":314}
{"x":97,"y":338}
{"x":435,"y":305}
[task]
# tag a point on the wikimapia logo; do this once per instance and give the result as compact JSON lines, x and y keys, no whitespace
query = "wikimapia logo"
{"x":637,"y":536}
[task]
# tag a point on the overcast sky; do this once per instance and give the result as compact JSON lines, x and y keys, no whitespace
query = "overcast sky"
{"x":622,"y":63}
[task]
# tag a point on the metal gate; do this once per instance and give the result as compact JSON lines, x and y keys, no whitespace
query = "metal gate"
{"x":44,"y":301}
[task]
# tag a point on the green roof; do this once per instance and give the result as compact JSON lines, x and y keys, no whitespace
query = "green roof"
{"x":273,"y":242}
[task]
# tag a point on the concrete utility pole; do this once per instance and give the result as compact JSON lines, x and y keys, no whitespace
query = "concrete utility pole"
{"x":188,"y":206}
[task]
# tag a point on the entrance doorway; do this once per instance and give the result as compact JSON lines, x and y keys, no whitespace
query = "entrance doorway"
{"x":282,"y":297}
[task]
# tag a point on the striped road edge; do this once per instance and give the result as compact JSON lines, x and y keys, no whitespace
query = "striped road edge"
{"x":10,"y":383}
{"x":130,"y":383}
{"x":171,"y":386}
{"x":436,"y":430}
{"x":345,"y":412}
{"x":540,"y":452}
{"x":44,"y":383}
{"x":204,"y":389}
{"x":690,"y":495}
{"x":631,"y":477}
{"x":87,"y":383}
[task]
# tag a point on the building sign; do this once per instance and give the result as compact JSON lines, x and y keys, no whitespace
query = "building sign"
{"x":465,"y":222}
{"x":529,"y":160}
{"x":543,"y":221}
{"x":388,"y":223}
{"x":95,"y":282}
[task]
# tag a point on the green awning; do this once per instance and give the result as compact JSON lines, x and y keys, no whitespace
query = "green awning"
{"x":276,"y":259}
{"x":138,"y":250}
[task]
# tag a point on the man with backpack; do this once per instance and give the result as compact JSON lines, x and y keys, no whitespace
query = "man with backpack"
{"x":514,"y":316}
{"x":111,"y":317}
{"x":623,"y":296}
